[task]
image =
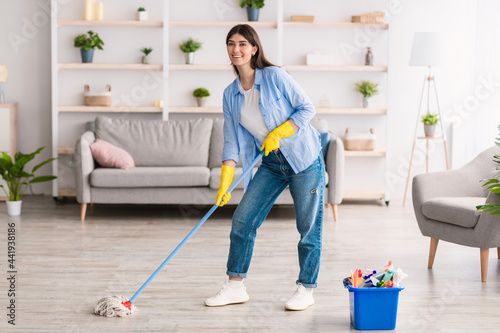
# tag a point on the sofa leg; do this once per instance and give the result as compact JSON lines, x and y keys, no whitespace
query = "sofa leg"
{"x":498,"y":252}
{"x":83,"y":212}
{"x":335,"y":209}
{"x":484,"y":263}
{"x":432,"y":252}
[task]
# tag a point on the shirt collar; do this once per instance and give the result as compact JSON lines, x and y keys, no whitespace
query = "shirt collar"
{"x":258,"y":80}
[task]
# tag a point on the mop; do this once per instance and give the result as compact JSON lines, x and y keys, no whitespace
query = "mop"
{"x":120,"y":306}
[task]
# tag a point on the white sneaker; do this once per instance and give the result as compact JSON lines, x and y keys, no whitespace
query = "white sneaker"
{"x":301,"y":299}
{"x":229,"y":294}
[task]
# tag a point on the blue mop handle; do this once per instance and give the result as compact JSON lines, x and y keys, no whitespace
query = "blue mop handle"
{"x":184,"y":241}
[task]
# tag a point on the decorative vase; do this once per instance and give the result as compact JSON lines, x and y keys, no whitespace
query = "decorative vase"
{"x":14,"y":208}
{"x":189,"y":58}
{"x":429,"y":130}
{"x":87,"y":55}
{"x":253,"y":14}
{"x":366,"y":101}
{"x":145,"y":59}
{"x":202,"y":101}
{"x":369,"y":57}
{"x":142,"y":16}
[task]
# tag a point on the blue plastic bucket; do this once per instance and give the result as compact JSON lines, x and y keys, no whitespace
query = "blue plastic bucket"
{"x":373,"y":308}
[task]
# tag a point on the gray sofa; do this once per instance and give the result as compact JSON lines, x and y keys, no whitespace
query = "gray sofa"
{"x":445,"y":207}
{"x":176,"y":162}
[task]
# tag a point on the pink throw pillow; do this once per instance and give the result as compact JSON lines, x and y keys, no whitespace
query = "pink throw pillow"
{"x":110,"y":156}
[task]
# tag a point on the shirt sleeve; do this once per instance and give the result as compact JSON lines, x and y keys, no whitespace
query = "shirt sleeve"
{"x":303,"y":108}
{"x":231,"y":147}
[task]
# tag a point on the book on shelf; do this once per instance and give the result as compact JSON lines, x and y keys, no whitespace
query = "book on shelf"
{"x":303,"y":18}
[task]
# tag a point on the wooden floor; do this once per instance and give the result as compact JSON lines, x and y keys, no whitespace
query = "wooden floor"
{"x":65,"y":267}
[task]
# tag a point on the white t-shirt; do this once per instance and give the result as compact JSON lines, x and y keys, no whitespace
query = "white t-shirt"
{"x":251,"y":117}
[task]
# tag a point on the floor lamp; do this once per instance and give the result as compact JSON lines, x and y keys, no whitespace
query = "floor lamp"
{"x":427,"y":50}
{"x":3,"y":78}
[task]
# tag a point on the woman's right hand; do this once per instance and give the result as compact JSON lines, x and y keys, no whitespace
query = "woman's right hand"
{"x":225,"y":182}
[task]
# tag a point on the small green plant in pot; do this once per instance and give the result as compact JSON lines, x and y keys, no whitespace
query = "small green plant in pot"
{"x":17,"y":179}
{"x":189,"y":47}
{"x":87,"y":44}
{"x":430,"y":121}
{"x":201,"y":95}
{"x":142,"y":14}
{"x":253,"y":8}
{"x":368,"y":90}
{"x":146,"y":51}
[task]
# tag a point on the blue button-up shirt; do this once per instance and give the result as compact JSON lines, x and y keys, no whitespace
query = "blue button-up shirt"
{"x":281,"y":98}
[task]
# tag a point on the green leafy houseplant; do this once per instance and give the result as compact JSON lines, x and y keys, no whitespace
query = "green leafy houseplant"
{"x":255,"y":4}
{"x":367,"y":89}
{"x":88,"y":43}
{"x":16,"y":178}
{"x":190,"y":45}
{"x":141,"y":9}
{"x":201,"y":92}
{"x":430,"y":119}
{"x":147,"y":50}
{"x":493,"y":185}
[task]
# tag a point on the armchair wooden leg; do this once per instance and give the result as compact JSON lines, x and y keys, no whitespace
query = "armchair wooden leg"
{"x":83,"y":212}
{"x":335,"y":212}
{"x":432,"y":251}
{"x":484,"y":264}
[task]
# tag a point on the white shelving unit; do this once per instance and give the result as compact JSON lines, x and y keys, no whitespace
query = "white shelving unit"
{"x":279,"y":26}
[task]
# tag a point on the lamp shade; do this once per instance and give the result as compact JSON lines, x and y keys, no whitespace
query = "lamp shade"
{"x":427,"y":49}
{"x":4,"y":73}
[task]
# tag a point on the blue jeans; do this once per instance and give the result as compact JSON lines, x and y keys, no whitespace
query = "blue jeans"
{"x":307,"y":189}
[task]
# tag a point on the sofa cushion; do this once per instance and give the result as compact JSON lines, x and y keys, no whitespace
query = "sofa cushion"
{"x":215,"y":174}
{"x":110,"y":156}
{"x":459,"y":211}
{"x":150,"y":177}
{"x":157,"y":142}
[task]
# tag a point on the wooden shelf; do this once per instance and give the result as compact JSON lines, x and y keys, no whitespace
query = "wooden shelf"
{"x":430,"y":137}
{"x":110,"y":66}
{"x":194,"y":109}
{"x":225,"y":24}
{"x":131,"y":109}
{"x":175,"y":67}
{"x":336,"y":68}
{"x":66,"y":192}
{"x":364,"y":153}
{"x":122,"y":23}
{"x":335,"y":25}
{"x":3,"y":198}
{"x":66,"y":150}
{"x":364,"y":195}
{"x":348,"y":111}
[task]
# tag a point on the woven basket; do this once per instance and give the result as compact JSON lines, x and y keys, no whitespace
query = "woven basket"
{"x":97,"y":99}
{"x":359,"y":141}
{"x":373,"y":17}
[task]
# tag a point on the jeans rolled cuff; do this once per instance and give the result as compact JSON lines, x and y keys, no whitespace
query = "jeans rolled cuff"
{"x":236,"y":275}
{"x":307,"y":285}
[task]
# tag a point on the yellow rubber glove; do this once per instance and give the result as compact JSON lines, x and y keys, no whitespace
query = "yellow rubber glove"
{"x":226,"y":179}
{"x":272,"y":141}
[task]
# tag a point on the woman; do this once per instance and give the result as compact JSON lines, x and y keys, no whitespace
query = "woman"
{"x":265,"y":109}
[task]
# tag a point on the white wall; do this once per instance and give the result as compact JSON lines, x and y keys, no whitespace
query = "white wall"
{"x":25,"y":45}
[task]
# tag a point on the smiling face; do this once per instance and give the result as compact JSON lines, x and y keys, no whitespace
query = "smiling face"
{"x":239,"y":50}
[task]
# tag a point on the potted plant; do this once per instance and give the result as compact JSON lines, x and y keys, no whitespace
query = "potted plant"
{"x":190,"y":46}
{"x":253,"y":8}
{"x":430,"y":121}
{"x":142,"y":14}
{"x":493,"y":185}
{"x":201,"y":95}
{"x":87,"y":44}
{"x":17,"y":179}
{"x":367,"y":89}
{"x":145,"y":57}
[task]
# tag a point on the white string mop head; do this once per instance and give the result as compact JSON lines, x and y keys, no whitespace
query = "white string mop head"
{"x":114,"y":306}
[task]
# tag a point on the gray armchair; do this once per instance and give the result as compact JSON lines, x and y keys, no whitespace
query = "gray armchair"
{"x":445,"y":207}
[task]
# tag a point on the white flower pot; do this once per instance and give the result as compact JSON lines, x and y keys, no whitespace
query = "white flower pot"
{"x":142,"y":16}
{"x":202,"y":101}
{"x":14,"y":208}
{"x":145,"y":59}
